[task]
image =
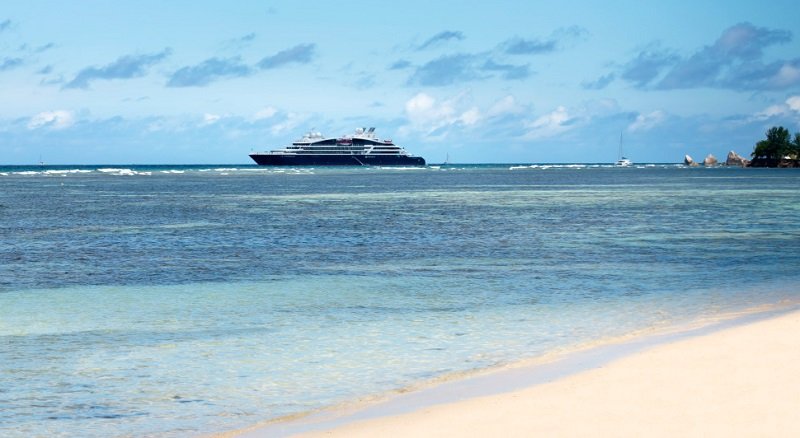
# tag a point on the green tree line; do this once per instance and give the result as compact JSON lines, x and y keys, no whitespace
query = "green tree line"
{"x":778,"y":145}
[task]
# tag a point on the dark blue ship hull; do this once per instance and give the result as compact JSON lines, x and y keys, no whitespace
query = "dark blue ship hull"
{"x":336,"y":160}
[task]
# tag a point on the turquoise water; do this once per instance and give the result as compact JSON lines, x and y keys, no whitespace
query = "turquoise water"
{"x":183,"y":300}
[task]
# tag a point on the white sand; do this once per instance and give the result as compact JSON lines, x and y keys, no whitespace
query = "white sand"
{"x":741,"y":381}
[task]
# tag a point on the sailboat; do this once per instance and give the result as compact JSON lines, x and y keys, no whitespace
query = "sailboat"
{"x":622,"y":161}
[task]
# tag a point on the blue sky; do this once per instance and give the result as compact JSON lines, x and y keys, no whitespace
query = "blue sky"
{"x":503,"y":81}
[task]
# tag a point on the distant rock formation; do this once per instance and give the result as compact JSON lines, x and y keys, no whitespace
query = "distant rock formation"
{"x":710,"y":160}
{"x":735,"y":159}
{"x":687,"y":160}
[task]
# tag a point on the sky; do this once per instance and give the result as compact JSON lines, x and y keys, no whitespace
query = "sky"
{"x":154,"y":82}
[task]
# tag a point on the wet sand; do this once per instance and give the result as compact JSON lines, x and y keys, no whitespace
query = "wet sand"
{"x":737,"y":378}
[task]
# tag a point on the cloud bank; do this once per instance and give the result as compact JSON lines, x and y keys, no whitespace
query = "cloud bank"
{"x":215,"y":69}
{"x":125,"y":67}
{"x":461,"y":67}
{"x":534,"y":46}
{"x":440,"y":38}
{"x":601,"y":82}
{"x":519,"y":46}
{"x":10,"y":63}
{"x":453,"y":68}
{"x":208,"y":71}
{"x":446,"y":70}
{"x":299,"y":54}
{"x":58,"y":119}
{"x":735,"y":61}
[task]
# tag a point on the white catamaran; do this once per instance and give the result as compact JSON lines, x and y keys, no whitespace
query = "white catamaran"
{"x":621,"y":160}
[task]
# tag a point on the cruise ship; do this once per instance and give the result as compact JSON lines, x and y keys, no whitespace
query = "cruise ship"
{"x":362,"y":148}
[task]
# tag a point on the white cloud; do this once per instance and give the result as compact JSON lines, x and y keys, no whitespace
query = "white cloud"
{"x":786,"y":76}
{"x":647,"y":121}
{"x":550,"y":124}
{"x":506,"y":105}
{"x":470,"y":117}
{"x":425,"y":114}
{"x":555,"y":118}
{"x":564,"y":119}
{"x":771,"y":111}
{"x":165,"y":124}
{"x":420,"y":102}
{"x":790,"y":105}
{"x":793,"y":103}
{"x":422,"y":109}
{"x":601,"y":107}
{"x":265,"y":113}
{"x":292,"y":121}
{"x":210,"y":119}
{"x":58,"y":119}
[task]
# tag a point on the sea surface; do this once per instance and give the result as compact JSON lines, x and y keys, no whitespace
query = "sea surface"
{"x":174,"y":301}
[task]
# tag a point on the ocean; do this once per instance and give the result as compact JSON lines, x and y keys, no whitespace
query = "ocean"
{"x":177,"y":301}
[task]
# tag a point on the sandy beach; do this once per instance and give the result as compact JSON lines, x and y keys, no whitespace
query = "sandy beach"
{"x":736,"y":381}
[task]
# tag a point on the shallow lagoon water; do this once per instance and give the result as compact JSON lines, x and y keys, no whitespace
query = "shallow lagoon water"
{"x":176,"y":301}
